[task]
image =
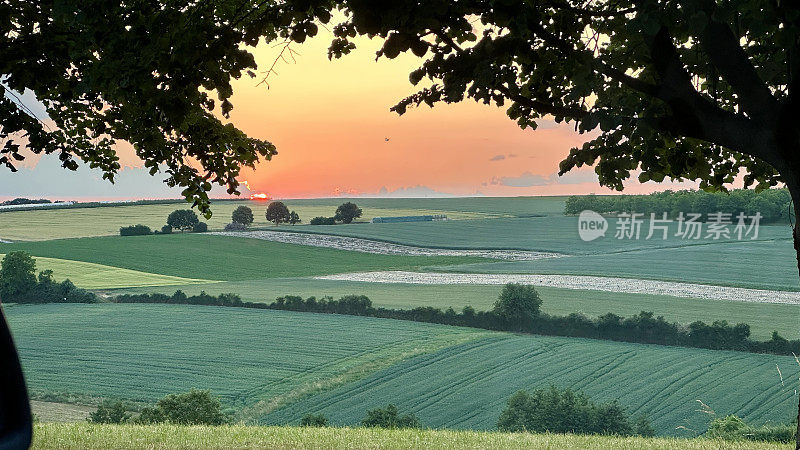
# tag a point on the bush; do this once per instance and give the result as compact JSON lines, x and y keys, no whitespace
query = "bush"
{"x":346,"y":212}
{"x":323,"y":221}
{"x":195,"y":407}
{"x":135,"y":230}
{"x":564,"y":411}
{"x":733,"y":428}
{"x":166,"y":229}
{"x":235,"y":226}
{"x":314,"y":420}
{"x":390,"y":417}
{"x":294,"y":218}
{"x":242,"y":215}
{"x":200,"y":227}
{"x":110,"y":412}
{"x":182,"y":219}
{"x":17,"y":276}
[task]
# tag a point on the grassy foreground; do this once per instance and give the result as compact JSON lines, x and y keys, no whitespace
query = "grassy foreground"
{"x":83,"y":435}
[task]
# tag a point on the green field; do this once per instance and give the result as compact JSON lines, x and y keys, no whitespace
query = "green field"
{"x":97,"y":276}
{"x":467,"y":386}
{"x":758,"y":265}
{"x":253,"y":359}
{"x":213,"y":257}
{"x":762,"y":318}
{"x":50,"y":436}
{"x":37,"y":225}
{"x":449,"y":376}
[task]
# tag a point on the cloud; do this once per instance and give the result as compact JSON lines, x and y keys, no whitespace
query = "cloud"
{"x":528,"y":179}
{"x":417,"y":191}
{"x":497,"y":158}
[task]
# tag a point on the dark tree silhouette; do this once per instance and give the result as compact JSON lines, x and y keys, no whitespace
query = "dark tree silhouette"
{"x":182,"y":219}
{"x":346,"y":212}
{"x":242,"y":215}
{"x":278,"y":212}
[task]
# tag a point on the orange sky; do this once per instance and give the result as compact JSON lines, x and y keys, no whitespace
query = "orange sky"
{"x":329,"y":120}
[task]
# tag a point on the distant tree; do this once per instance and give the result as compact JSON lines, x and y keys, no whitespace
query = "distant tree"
{"x":110,"y":412}
{"x":314,"y":420}
{"x":135,"y":230}
{"x":200,"y":227}
{"x":294,"y":218}
{"x":242,"y":215}
{"x":166,"y":229}
{"x":195,"y":407}
{"x":346,"y":212}
{"x":278,"y":212}
{"x":182,"y":219}
{"x":150,"y":415}
{"x":17,"y":275}
{"x":390,"y":417}
{"x":518,"y":303}
{"x":323,"y":221}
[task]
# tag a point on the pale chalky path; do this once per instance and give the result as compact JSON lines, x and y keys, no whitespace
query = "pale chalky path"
{"x":579,"y":282}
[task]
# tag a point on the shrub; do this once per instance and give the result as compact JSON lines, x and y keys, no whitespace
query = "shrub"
{"x":323,"y":221}
{"x":195,"y":407}
{"x":314,"y":420}
{"x":733,"y":428}
{"x":563,"y":411}
{"x":294,"y":218}
{"x":17,"y":275}
{"x":182,"y":219}
{"x":135,"y":230}
{"x":110,"y":412}
{"x":235,"y":226}
{"x":242,"y":215}
{"x":390,"y":417}
{"x":277,"y":212}
{"x":346,"y":212}
{"x":150,"y":415}
{"x":166,"y":229}
{"x":200,"y":227}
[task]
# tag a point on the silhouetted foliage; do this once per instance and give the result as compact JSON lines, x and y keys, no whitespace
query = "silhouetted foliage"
{"x":235,"y":226}
{"x":200,"y":227}
{"x":294,"y":218}
{"x":323,"y":221}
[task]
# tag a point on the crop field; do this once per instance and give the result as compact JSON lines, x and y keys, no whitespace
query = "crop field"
{"x":203,"y":256}
{"x":467,"y":386}
{"x":251,"y":358}
{"x":449,"y":376}
{"x":742,"y":264}
{"x":97,"y":276}
{"x":50,"y":436}
{"x":103,"y":221}
{"x":762,"y":318}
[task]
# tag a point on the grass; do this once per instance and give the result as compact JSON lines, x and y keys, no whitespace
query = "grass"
{"x":467,"y":386}
{"x":49,"y":436}
{"x":222,"y":258}
{"x":98,"y":276}
{"x":762,"y":318}
{"x":255,"y":360}
{"x":82,"y":222}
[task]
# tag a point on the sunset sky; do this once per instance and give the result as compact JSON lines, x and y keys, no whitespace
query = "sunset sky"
{"x":330,"y":121}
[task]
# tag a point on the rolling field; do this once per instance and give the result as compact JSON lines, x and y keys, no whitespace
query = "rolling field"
{"x":97,"y":276}
{"x":449,"y":376}
{"x":757,"y":265}
{"x":104,"y":221}
{"x":762,"y":318}
{"x":248,"y":357}
{"x":50,"y":436}
{"x":467,"y":386}
{"x":202,"y":256}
